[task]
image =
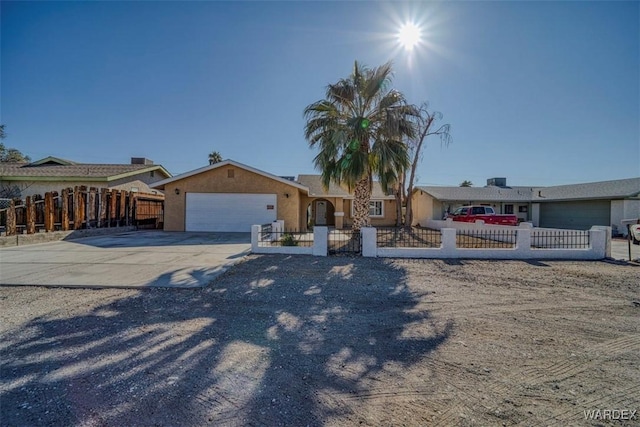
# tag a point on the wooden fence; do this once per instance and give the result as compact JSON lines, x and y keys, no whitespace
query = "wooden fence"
{"x":81,"y":208}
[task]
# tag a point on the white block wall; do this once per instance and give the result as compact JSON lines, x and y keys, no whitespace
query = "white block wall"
{"x":523,"y":250}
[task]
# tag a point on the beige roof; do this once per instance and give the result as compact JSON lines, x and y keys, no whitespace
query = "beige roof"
{"x":616,"y":189}
{"x":71,"y":170}
{"x":486,"y":194}
{"x":314,"y":183}
{"x":160,"y":184}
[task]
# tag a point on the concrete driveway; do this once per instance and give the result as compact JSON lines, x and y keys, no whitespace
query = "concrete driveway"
{"x":134,"y":259}
{"x":620,"y":250}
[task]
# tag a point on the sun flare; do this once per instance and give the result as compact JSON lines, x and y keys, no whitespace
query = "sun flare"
{"x":409,"y":35}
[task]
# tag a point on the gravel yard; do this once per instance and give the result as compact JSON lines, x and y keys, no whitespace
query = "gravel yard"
{"x":296,"y":341}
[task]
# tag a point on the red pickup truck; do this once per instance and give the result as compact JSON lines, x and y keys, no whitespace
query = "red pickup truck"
{"x":484,"y":213}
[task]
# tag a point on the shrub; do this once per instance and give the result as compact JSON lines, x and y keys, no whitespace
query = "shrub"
{"x":288,"y":240}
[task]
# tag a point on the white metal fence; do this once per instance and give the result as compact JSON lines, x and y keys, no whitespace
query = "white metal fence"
{"x":451,"y":240}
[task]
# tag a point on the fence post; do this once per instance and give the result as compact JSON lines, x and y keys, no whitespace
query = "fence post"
{"x":113,"y":199}
{"x":123,"y":207}
{"x":78,"y":208}
{"x":65,"y":209}
{"x":276,"y":231}
{"x":11,"y":219}
{"x":86,"y":193}
{"x":102,"y":208}
{"x":320,"y":241}
{"x":255,"y":235}
{"x":449,"y":242}
{"x":30,"y":215}
{"x":131,"y":199}
{"x":369,"y":244}
{"x":523,"y":242}
{"x":91,"y":207}
{"x":601,"y":245}
{"x":48,"y":211}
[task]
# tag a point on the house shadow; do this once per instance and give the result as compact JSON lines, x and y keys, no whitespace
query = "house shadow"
{"x":274,"y":341}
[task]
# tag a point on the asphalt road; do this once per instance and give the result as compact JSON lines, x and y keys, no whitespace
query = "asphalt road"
{"x":134,"y":259}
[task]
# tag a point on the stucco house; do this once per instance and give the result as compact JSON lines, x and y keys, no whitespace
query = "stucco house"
{"x":575,"y":206}
{"x":231,"y":196}
{"x":54,"y":174}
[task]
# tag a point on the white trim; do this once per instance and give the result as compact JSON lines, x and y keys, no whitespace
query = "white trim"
{"x":338,"y":214}
{"x":351,"y":197}
{"x":164,"y":182}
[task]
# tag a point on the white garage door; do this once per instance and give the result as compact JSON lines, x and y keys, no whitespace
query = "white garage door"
{"x":228,"y":212}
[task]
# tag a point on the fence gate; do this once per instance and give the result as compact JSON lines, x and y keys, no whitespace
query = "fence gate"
{"x":344,"y":242}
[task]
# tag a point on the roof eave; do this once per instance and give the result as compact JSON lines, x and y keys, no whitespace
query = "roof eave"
{"x":137,"y":172}
{"x":160,"y":185}
{"x":55,"y":178}
{"x":63,"y":162}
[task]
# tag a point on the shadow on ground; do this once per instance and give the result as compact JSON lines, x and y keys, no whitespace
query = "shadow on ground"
{"x":272,"y":342}
{"x":154,"y":238}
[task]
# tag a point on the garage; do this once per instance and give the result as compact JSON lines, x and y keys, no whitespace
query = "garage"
{"x":576,"y":215}
{"x":230,"y":212}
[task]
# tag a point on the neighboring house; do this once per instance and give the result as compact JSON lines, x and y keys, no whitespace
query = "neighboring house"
{"x":231,"y":196}
{"x":54,"y":174}
{"x":576,"y":206}
{"x":580,"y":206}
{"x":339,"y":204}
{"x":436,"y":202}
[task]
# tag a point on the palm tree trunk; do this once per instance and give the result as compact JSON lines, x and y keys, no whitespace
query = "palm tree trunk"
{"x":409,"y":214}
{"x":398,"y":195}
{"x":361,"y":200}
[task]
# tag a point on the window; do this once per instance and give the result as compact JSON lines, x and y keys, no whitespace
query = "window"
{"x":460,"y":211}
{"x":522,"y":209}
{"x":376,"y":208}
{"x":477,"y":210}
{"x":508,"y":209}
{"x":152,"y":173}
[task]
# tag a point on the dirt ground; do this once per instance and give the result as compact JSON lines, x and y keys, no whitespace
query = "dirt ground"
{"x":297,"y":341}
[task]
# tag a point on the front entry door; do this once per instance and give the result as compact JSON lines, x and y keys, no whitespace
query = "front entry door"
{"x":321,"y":213}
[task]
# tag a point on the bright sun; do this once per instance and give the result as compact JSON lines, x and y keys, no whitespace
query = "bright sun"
{"x":409,"y":35}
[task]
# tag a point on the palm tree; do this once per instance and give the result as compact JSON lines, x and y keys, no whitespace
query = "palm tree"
{"x":358,"y":131}
{"x":214,"y":157}
{"x":466,"y":183}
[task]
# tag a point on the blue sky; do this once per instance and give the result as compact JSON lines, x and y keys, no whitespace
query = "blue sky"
{"x":542,"y":93}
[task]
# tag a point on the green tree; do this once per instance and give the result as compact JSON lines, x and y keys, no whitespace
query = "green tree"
{"x":358,"y":131}
{"x":466,"y":183}
{"x":214,"y":157}
{"x":10,"y":155}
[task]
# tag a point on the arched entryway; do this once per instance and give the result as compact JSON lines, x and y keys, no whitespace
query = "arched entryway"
{"x":321,"y":213}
